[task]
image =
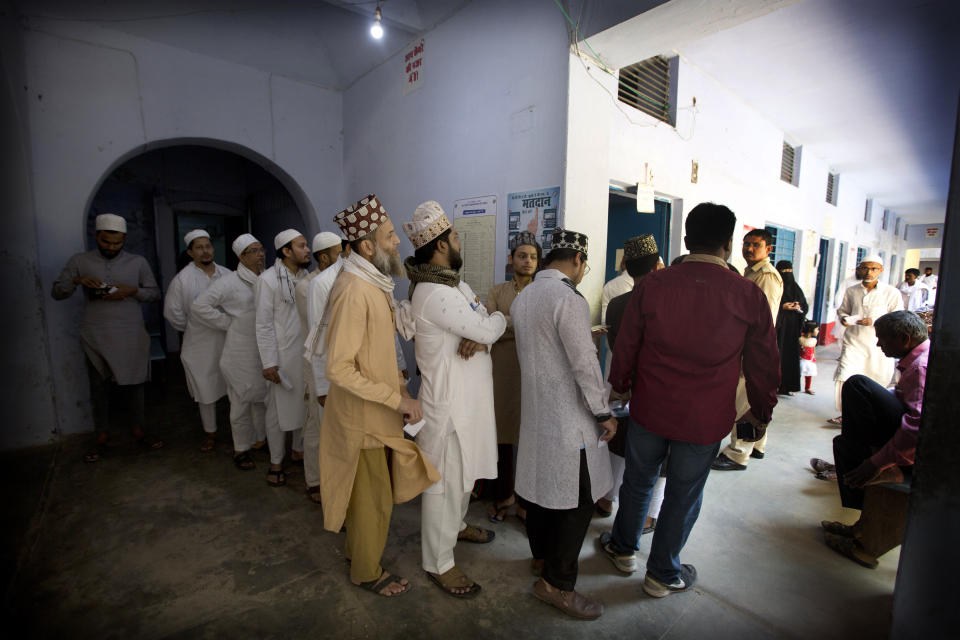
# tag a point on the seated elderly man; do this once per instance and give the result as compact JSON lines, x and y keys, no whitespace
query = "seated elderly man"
{"x":879,"y":433}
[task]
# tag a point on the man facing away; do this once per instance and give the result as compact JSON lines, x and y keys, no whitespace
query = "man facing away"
{"x":280,"y":341}
{"x":228,"y":306}
{"x":326,"y":252}
{"x":862,"y":305}
{"x":452,"y":332}
{"x":878,"y":440}
{"x":202,"y":345}
{"x":683,"y":383}
{"x":563,"y":466}
{"x":114,"y":340}
{"x":757,"y":246}
{"x":362,"y":416}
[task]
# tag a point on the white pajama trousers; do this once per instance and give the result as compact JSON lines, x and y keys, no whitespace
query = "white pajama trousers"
{"x":208,"y":416}
{"x":442,"y":514}
{"x":246,"y":422}
{"x":276,"y":437}
{"x":311,"y":443}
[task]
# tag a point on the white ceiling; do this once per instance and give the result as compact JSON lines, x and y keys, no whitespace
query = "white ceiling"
{"x":868,"y":86}
{"x":311,"y":40}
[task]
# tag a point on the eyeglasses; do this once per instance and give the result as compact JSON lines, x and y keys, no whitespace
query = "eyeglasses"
{"x":246,"y":251}
{"x":587,"y":269}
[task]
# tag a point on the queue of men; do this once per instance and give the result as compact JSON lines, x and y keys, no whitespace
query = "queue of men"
{"x":316,"y":355}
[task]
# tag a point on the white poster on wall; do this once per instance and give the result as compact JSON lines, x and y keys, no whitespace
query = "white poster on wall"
{"x":413,"y":66}
{"x":479,"y":206}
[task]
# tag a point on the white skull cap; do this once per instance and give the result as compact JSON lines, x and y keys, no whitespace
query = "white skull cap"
{"x":242,"y":242}
{"x":111,"y":222}
{"x":285,"y":237}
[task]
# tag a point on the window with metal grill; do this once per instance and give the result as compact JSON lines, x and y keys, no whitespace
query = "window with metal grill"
{"x":861,"y":254}
{"x":784,"y":243}
{"x":788,"y":164}
{"x":646,"y":86}
{"x":868,"y":212}
{"x":833,"y":180}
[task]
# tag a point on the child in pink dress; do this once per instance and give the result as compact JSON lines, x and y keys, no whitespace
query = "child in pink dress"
{"x":808,"y":356}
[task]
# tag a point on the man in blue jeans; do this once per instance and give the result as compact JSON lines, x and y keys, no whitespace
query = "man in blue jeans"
{"x":685,"y":335}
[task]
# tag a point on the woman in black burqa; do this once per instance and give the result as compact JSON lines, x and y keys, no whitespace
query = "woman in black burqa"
{"x":793,"y":311}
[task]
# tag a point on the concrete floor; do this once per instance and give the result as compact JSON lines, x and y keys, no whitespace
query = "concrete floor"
{"x":179,"y":543}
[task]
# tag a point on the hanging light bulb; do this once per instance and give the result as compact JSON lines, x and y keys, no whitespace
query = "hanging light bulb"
{"x":377,"y":30}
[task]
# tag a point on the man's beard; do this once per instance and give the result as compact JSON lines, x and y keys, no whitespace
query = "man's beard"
{"x":388,"y":264}
{"x":108,"y":254}
{"x":456,"y":260}
{"x":207,"y":263}
{"x":304,"y":264}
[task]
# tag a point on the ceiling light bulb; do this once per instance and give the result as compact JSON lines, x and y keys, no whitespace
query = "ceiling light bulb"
{"x":376,"y":30}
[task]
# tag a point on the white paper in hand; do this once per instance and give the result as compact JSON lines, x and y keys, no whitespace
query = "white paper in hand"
{"x":285,"y":381}
{"x":413,"y":429}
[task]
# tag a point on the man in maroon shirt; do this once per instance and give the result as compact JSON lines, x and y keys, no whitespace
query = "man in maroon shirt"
{"x":879,"y":437}
{"x":683,"y":338}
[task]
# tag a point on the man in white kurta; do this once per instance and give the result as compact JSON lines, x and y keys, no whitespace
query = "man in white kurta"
{"x":563,"y":465}
{"x":453,"y":333}
{"x":280,"y":341}
{"x":862,"y":304}
{"x":916,"y":294}
{"x":326,"y":251}
{"x":838,"y":327}
{"x":202,"y":345}
{"x":228,"y":306}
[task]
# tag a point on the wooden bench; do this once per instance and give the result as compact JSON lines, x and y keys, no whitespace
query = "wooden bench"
{"x":884,"y":516}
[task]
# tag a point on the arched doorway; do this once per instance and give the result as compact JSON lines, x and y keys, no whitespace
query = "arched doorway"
{"x":171,"y":187}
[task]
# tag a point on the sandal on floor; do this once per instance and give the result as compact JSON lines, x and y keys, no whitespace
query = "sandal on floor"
{"x":94,"y":454}
{"x":279,"y":475}
{"x":243,"y":461}
{"x":385,"y":580}
{"x":455,"y":579}
{"x":314,"y":494}
{"x":476,"y":535}
{"x":498,"y":512}
{"x":148,"y":443}
{"x":838,"y":421}
{"x":850,"y":548}
{"x":209,"y":443}
{"x":258,"y":445}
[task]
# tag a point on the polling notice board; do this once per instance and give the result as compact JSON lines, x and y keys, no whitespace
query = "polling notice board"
{"x":475,"y":220}
{"x":536,"y":211}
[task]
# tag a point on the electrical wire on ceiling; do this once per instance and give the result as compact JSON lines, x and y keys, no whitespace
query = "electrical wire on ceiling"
{"x":575,"y":37}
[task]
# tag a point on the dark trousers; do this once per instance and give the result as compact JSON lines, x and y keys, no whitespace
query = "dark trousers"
{"x":506,"y":472}
{"x":556,"y":535}
{"x":113,"y":404}
{"x":871,"y":415}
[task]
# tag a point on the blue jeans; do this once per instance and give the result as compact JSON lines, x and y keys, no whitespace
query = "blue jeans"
{"x":686,"y":477}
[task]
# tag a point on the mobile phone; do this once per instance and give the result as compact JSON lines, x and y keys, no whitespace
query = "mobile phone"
{"x":746,"y":431}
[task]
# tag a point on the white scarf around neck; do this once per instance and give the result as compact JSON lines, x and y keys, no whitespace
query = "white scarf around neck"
{"x":246,"y":275}
{"x":363,"y":268}
{"x":286,"y":281}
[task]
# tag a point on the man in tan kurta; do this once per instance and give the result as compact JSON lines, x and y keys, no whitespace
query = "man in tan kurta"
{"x":525,"y":255}
{"x":757,"y":246}
{"x":362,"y":422}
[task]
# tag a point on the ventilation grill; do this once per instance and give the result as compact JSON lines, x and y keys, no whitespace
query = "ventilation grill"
{"x":896,"y":228}
{"x":832,"y":188}
{"x":867,"y":212}
{"x":886,"y":219}
{"x":786,"y":163}
{"x":646,"y":86}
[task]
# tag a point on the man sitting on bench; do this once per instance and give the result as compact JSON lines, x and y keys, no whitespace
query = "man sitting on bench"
{"x":878,"y":439}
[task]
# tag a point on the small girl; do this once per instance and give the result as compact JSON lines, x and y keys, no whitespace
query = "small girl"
{"x":808,"y":357}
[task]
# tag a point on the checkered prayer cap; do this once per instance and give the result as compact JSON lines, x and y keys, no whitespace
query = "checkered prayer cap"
{"x":361,"y":218}
{"x":640,"y":247}
{"x":565,"y":239}
{"x":523,"y":238}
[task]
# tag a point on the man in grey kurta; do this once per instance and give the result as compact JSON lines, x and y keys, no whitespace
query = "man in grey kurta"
{"x":563,"y":466}
{"x":112,"y":333}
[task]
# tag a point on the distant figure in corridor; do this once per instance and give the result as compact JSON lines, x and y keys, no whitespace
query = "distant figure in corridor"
{"x":793,"y":311}
{"x":112,"y":333}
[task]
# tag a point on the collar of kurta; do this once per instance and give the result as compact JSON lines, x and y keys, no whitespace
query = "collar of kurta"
{"x":706,"y":258}
{"x":760,"y":265}
{"x":556,"y":274}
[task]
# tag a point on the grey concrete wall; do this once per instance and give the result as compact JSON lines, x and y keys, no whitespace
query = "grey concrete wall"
{"x":29,"y":401}
{"x":928,"y":584}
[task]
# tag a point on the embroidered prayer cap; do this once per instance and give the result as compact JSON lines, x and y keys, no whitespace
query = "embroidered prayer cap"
{"x":285,"y":237}
{"x":429,"y":221}
{"x":193,"y":235}
{"x":324,"y":240}
{"x":111,"y":222}
{"x":640,"y":247}
{"x":873,"y":258}
{"x":566,"y":239}
{"x":361,"y":218}
{"x":242,"y":242}
{"x":523,"y":238}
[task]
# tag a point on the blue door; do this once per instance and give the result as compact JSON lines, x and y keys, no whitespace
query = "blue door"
{"x":623,"y":223}
{"x":820,"y":291}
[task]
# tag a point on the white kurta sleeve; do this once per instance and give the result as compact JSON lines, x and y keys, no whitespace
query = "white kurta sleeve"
{"x":174,"y":308}
{"x":846,"y":307}
{"x":573,"y":325}
{"x":450,"y":310}
{"x":207,"y":309}
{"x":266,"y":331}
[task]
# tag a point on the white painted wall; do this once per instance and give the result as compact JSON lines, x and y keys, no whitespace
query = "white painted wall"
{"x":738,"y":152}
{"x":97,"y":97}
